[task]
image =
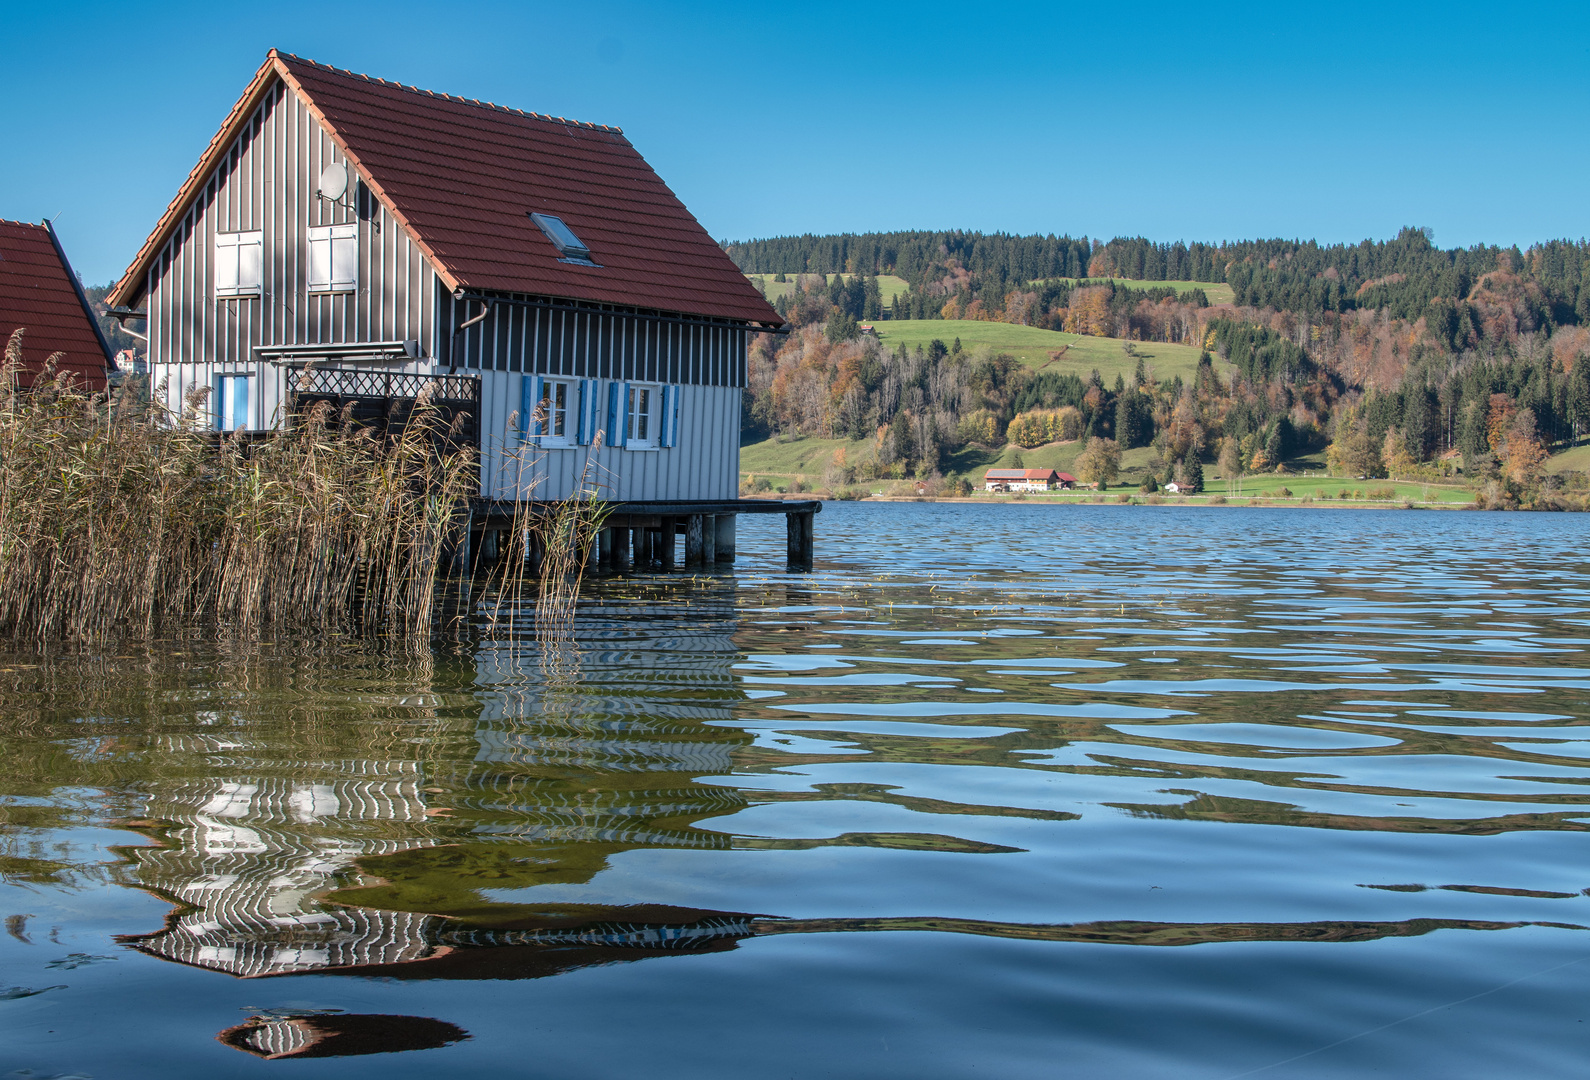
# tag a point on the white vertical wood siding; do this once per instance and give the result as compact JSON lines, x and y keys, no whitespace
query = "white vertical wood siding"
{"x":267,"y":182}
{"x":704,"y":464}
{"x":518,"y":339}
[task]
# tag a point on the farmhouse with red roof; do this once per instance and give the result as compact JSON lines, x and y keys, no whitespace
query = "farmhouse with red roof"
{"x":1027,"y":480}
{"x":41,"y":296}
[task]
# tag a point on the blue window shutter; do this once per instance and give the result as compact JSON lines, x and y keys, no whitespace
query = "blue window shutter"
{"x":582,"y":424}
{"x":530,"y":400}
{"x":617,"y":412}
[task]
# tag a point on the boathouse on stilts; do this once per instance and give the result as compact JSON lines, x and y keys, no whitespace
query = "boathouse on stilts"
{"x":360,"y":242}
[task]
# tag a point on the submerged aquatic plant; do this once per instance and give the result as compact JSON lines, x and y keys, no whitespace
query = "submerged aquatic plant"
{"x":117,"y":519}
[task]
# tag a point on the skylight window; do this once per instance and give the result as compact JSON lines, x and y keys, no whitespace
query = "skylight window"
{"x":570,"y":247}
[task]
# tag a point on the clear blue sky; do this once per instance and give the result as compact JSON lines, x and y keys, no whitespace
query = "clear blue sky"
{"x":1193,"y":121}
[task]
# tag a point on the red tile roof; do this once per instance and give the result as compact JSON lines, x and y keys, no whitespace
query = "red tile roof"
{"x":39,"y":294}
{"x":463,"y":176}
{"x":1021,"y":474}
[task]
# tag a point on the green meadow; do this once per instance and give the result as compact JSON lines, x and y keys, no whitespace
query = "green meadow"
{"x":1036,"y":347}
{"x":889,"y":285}
{"x":1575,"y":460}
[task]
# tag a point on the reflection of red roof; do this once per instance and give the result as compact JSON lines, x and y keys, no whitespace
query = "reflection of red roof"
{"x":1022,"y":474}
{"x":40,"y":294}
{"x":463,"y":176}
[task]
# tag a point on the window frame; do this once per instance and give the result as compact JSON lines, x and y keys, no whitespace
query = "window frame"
{"x":547,"y":387}
{"x":227,"y":252}
{"x":653,"y":399}
{"x":342,"y":237}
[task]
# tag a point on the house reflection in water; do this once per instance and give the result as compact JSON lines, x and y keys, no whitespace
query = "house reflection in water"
{"x":245,"y":857}
{"x":546,"y":782}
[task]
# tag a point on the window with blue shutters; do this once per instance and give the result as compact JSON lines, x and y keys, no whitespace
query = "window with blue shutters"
{"x":546,"y":408}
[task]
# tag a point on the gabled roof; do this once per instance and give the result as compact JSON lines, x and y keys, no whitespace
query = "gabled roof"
{"x":1021,"y":474}
{"x":40,"y":294}
{"x":463,"y":176}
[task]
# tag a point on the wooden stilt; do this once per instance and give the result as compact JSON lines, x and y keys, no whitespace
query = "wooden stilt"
{"x":798,"y":540}
{"x":670,"y":540}
{"x":709,"y":540}
{"x":725,"y":537}
{"x":694,"y":540}
{"x":643,"y":547}
{"x":621,"y":552}
{"x":604,"y":548}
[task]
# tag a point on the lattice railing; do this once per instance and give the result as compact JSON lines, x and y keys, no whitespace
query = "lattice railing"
{"x":360,"y":383}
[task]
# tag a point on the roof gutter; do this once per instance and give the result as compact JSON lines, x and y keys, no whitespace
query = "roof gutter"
{"x":552,"y":305}
{"x":121,"y":315}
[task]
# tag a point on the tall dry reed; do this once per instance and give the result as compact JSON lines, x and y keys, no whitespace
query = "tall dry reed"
{"x":119,"y":520}
{"x":555,"y":539}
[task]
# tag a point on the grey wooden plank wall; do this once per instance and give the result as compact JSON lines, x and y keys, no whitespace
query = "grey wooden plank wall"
{"x":592,"y":344}
{"x":267,"y":181}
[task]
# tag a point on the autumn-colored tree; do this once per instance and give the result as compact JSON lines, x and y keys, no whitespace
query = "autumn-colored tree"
{"x":1523,"y":453}
{"x":981,"y":426}
{"x":1354,"y":451}
{"x":1099,"y":462}
{"x":1230,"y":463}
{"x":1020,"y":307}
{"x":1498,"y":418}
{"x":1394,"y":455}
{"x":1089,"y":312}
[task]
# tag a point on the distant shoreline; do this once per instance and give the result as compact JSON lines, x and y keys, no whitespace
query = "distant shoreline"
{"x":1137,"y":499}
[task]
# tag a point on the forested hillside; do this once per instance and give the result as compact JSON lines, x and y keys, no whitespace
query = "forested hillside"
{"x":1398,"y":357}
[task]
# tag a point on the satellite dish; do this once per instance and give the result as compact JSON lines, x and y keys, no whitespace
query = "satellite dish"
{"x":333,"y":181}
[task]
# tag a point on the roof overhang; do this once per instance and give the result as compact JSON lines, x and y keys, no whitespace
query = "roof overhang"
{"x":375,"y":350}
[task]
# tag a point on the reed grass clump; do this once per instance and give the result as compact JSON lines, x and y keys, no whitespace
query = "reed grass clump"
{"x":119,"y":520}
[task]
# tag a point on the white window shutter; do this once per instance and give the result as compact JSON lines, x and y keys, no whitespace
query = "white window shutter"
{"x":226,"y":262}
{"x":345,"y":255}
{"x":319,"y":260}
{"x":250,"y":260}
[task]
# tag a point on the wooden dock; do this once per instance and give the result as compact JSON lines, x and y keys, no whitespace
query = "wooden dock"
{"x":645,"y":535}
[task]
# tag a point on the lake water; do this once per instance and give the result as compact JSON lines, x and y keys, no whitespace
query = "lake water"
{"x":1010,"y":791}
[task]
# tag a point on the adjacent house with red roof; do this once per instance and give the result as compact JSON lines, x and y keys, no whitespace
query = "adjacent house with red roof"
{"x":40,"y":295}
{"x":1027,"y":480}
{"x":353,"y":237}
